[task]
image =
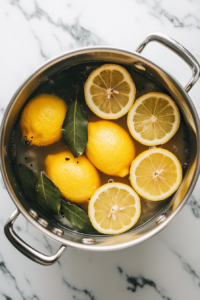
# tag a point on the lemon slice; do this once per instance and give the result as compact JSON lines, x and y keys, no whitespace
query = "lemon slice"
{"x":114,"y":208}
{"x":153,"y":119}
{"x":110,"y":91}
{"x":156,"y":174}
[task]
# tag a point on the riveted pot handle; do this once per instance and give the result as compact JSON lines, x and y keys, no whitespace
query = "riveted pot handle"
{"x":179,"y":50}
{"x":24,"y":248}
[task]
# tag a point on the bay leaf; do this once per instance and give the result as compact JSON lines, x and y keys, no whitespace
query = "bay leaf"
{"x":75,"y":129}
{"x":28,"y":180}
{"x":47,"y":194}
{"x":77,"y":217}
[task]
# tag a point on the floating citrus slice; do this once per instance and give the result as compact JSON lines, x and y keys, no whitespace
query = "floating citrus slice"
{"x":153,"y":119}
{"x":114,"y":208}
{"x":156,"y":174}
{"x":110,"y":91}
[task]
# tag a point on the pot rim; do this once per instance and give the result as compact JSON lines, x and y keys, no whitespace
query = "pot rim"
{"x":159,"y":226}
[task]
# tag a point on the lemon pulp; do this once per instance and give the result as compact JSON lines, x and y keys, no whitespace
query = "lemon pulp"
{"x":114,"y":208}
{"x":156,"y":174}
{"x":110,"y":91}
{"x":153,"y":119}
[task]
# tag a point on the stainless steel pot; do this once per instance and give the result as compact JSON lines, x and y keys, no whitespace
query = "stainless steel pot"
{"x":51,"y":227}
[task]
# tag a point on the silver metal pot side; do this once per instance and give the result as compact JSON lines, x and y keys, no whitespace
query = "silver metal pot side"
{"x":51,"y":227}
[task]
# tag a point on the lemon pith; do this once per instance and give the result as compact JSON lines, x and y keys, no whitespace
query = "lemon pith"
{"x":156,"y":174}
{"x":153,"y":119}
{"x":42,"y":118}
{"x":110,"y":91}
{"x":76,"y":178}
{"x":114,"y":208}
{"x":110,"y":148}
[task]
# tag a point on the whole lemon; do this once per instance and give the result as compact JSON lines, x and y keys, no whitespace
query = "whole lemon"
{"x":76,"y":178}
{"x":42,"y":118}
{"x":110,"y":148}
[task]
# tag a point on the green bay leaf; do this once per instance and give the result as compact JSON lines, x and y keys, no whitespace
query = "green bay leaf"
{"x":28,"y":180}
{"x":47,"y":194}
{"x":75,"y":129}
{"x":77,"y":217}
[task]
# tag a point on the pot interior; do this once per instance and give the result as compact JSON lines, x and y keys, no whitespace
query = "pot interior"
{"x":62,"y":78}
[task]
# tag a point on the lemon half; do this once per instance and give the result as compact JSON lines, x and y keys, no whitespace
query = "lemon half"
{"x":156,"y":174}
{"x":153,"y":119}
{"x":110,"y":91}
{"x":114,"y":208}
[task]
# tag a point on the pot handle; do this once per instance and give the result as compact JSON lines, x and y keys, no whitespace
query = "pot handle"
{"x":179,"y":50}
{"x":24,"y":248}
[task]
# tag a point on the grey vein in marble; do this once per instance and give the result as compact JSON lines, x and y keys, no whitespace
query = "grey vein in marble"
{"x":189,"y":269}
{"x":5,"y":271}
{"x":82,"y":291}
{"x":188,"y":21}
{"x":136,"y":282}
{"x":40,"y":46}
{"x":82,"y":36}
{"x":49,"y":247}
{"x":8,"y":274}
{"x":6,"y":297}
{"x":195,"y":206}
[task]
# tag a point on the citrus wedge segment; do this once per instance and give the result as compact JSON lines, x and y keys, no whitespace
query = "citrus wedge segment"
{"x":110,"y":91}
{"x":156,"y":174}
{"x":153,"y":119}
{"x":114,"y":208}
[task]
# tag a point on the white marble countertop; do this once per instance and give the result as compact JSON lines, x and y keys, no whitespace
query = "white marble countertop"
{"x":168,"y":265}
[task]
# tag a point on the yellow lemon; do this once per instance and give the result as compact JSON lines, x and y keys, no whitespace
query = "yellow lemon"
{"x":42,"y":118}
{"x":156,"y":174}
{"x":153,"y":119}
{"x":110,"y":148}
{"x":114,"y":208}
{"x":76,"y":178}
{"x":110,"y":91}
